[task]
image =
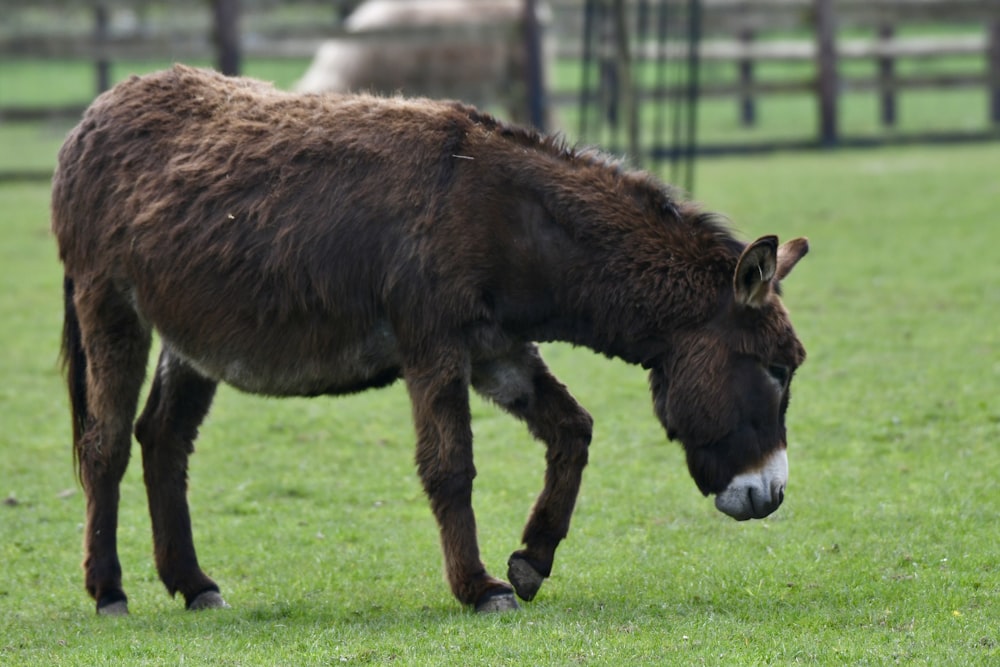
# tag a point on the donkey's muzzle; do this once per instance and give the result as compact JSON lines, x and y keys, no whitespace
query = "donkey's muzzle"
{"x":754,"y":495}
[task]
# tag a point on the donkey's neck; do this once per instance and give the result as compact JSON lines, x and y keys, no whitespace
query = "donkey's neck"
{"x":632,"y":267}
{"x":617,"y":262}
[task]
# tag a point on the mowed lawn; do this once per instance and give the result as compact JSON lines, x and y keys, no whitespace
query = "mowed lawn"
{"x":310,"y":516}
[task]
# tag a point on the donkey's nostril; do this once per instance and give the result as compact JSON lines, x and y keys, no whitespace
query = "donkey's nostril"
{"x":755,"y":495}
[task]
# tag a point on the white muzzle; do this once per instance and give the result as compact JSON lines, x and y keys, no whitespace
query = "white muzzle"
{"x":754,"y":495}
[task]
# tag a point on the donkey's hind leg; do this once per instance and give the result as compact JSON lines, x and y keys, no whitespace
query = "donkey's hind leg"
{"x":178,"y":402}
{"x":522,"y":384}
{"x":116,"y":345}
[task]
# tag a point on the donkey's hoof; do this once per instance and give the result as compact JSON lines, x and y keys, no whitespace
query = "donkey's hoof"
{"x":116,"y":608}
{"x":525,"y":578}
{"x":499,"y":601}
{"x":208,"y":600}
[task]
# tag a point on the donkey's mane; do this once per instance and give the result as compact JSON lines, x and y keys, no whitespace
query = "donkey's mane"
{"x":655,"y":196}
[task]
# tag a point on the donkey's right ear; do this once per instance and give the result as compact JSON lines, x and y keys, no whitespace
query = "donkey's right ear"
{"x":789,"y":255}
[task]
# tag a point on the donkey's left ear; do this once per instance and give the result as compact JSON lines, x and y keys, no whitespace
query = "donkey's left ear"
{"x":789,"y":255}
{"x":755,"y":270}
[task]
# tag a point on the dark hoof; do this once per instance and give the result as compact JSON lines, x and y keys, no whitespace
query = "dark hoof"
{"x":499,"y":601}
{"x":207,"y":600}
{"x":116,"y":608}
{"x":525,"y":578}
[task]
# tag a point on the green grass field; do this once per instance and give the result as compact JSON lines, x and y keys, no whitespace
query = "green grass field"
{"x":310,"y":516}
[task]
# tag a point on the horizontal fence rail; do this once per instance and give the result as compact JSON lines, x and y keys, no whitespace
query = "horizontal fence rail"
{"x":823,"y":36}
{"x":902,"y":41}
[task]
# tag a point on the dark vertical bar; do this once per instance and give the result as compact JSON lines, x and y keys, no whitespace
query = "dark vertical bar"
{"x":827,"y":84}
{"x":642,"y":28}
{"x":609,"y":83}
{"x":677,"y":112}
{"x":662,"y":97}
{"x":993,"y":51}
{"x":227,"y":35}
{"x":626,"y":93}
{"x":886,"y":77}
{"x":534,"y":75}
{"x":693,"y":91}
{"x":341,"y":9}
{"x":640,"y":69}
{"x":588,"y":58}
{"x":748,"y":108}
{"x":102,"y":33}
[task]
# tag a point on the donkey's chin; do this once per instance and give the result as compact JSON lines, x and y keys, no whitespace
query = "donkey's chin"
{"x":754,"y":495}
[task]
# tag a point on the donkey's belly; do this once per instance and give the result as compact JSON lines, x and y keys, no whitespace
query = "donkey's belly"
{"x":299,"y":365}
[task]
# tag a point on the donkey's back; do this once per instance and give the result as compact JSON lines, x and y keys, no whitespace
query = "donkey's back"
{"x":244,"y":175}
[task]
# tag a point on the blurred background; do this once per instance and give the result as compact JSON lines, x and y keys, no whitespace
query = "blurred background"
{"x":870,"y":126}
{"x":662,"y":82}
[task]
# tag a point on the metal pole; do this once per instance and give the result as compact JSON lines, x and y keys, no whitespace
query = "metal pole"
{"x":661,"y":97}
{"x":534,"y":74}
{"x":693,"y":91}
{"x":588,"y":56}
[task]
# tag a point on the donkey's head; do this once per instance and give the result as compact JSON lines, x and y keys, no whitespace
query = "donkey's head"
{"x":722,"y":390}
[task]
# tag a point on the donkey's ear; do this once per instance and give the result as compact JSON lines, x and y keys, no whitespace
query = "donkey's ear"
{"x":755,"y":270}
{"x":789,"y":255}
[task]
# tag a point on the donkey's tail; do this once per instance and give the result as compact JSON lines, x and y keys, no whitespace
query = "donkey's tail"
{"x":74,"y":361}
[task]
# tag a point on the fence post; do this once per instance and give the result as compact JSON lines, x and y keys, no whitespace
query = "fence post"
{"x":993,"y":48}
{"x":748,"y":109}
{"x":102,"y":32}
{"x":886,"y":77}
{"x":226,"y":17}
{"x":826,"y":88}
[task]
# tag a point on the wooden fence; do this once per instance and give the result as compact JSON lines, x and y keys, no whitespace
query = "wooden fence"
{"x":743,"y":34}
{"x":827,"y":37}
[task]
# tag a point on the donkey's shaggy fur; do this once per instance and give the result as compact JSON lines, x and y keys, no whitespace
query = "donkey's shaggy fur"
{"x":304,"y":244}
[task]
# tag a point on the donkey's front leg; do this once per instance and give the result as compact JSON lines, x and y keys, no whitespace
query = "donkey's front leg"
{"x":524,"y":386}
{"x":440,"y":396}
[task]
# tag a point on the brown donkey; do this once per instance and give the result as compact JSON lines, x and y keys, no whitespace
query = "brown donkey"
{"x":303,"y":244}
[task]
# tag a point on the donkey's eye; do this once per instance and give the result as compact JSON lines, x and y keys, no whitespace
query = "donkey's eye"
{"x":780,"y":374}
